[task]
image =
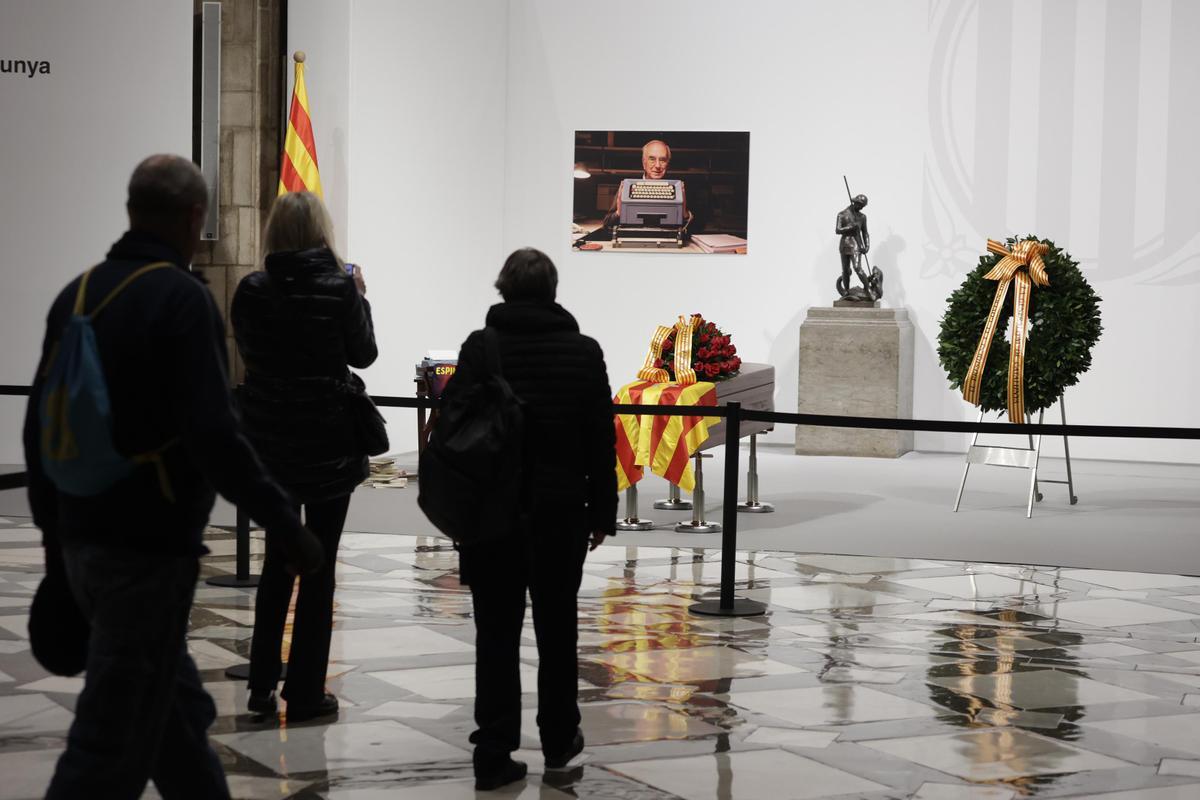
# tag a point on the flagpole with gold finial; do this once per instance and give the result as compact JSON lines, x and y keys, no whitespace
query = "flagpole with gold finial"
{"x":298,"y":164}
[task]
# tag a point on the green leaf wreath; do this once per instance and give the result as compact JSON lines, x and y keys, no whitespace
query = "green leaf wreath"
{"x":1064,"y":325}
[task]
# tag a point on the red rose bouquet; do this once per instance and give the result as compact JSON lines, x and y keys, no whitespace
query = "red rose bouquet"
{"x":714,"y":356}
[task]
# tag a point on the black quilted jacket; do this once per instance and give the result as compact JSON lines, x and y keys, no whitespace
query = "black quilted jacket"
{"x":300,"y":325}
{"x":570,"y":458}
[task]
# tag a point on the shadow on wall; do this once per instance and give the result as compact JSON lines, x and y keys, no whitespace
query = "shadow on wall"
{"x":339,"y":192}
{"x":785,"y":348}
{"x":926,"y":368}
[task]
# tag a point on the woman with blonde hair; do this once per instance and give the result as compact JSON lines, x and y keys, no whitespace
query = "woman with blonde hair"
{"x":300,"y":324}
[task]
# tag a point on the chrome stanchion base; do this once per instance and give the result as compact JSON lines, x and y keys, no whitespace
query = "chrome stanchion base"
{"x":673,"y":502}
{"x":698,"y":523}
{"x":632,"y":522}
{"x":668,"y":505}
{"x":741,"y":608}
{"x":698,"y":527}
{"x":752,"y":504}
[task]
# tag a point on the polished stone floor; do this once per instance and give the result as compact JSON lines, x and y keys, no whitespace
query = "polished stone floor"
{"x":867,"y":678}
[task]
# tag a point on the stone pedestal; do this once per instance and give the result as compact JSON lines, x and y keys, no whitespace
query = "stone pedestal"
{"x":858,"y":362}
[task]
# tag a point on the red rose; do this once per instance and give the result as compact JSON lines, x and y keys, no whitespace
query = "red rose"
{"x":658,"y":362}
{"x":704,"y":337}
{"x":732,"y":350}
{"x":668,"y":345}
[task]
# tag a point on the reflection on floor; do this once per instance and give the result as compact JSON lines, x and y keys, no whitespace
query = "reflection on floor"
{"x":868,"y":678}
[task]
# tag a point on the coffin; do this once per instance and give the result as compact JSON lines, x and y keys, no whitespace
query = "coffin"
{"x":754,"y":388}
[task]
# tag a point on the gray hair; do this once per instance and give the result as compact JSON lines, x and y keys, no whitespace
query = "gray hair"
{"x":164,"y":189}
{"x":656,"y":141}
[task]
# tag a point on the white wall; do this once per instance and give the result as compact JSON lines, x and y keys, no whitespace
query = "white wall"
{"x":961,"y":121}
{"x":322,"y":30}
{"x":69,"y":140}
{"x":418,"y":137}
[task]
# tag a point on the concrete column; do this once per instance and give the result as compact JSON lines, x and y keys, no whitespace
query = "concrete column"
{"x":251,"y":88}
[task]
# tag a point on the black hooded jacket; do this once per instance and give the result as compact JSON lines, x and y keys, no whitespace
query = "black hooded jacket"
{"x":570,"y":442}
{"x":300,"y":325}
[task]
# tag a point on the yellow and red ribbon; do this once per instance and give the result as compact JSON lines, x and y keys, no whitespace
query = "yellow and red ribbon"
{"x":1023,"y":267}
{"x":684,"y":374}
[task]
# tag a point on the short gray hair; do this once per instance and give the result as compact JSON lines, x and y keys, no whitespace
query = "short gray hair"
{"x":656,"y":141}
{"x":165,"y":188}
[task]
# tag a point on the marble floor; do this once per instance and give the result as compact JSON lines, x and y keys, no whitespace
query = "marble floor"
{"x":868,"y":678}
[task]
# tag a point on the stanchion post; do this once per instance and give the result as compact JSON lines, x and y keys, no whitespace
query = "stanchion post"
{"x":241,"y":579}
{"x":242,"y":539}
{"x":728,"y":605}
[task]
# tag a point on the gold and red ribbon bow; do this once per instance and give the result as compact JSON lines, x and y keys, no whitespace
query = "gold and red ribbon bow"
{"x":684,"y":374}
{"x":1023,"y":267}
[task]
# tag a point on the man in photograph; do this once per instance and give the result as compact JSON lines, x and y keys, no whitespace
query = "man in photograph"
{"x":656,"y":158}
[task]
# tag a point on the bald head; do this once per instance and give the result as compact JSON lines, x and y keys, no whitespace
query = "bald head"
{"x":168,"y":198}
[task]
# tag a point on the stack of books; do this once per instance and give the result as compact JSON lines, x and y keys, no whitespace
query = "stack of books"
{"x":385,"y":474}
{"x":719,"y":243}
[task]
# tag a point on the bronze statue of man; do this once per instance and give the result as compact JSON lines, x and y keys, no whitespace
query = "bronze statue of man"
{"x":851,"y":225}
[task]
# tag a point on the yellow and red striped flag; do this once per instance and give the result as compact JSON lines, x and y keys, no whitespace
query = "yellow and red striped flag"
{"x":298,"y":167}
{"x":665,"y":444}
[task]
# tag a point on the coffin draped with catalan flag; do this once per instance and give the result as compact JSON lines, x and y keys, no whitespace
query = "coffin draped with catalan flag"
{"x":666,"y":444}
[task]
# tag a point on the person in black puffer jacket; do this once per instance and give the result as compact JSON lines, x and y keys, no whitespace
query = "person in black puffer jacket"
{"x":300,"y":325}
{"x":568,"y":499}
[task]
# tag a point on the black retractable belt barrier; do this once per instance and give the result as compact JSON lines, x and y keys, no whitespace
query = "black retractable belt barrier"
{"x":241,"y":579}
{"x":728,"y":605}
{"x":13,"y":480}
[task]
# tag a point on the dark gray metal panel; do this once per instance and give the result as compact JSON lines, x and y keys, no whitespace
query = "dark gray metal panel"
{"x":210,"y":114}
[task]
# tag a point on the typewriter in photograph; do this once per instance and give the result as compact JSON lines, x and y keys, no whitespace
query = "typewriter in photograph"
{"x":653,"y":214}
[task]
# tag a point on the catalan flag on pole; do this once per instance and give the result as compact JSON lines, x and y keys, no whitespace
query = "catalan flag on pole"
{"x":665,"y":444}
{"x":298,"y":167}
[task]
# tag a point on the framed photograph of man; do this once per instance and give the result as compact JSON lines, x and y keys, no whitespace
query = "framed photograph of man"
{"x":661,"y":191}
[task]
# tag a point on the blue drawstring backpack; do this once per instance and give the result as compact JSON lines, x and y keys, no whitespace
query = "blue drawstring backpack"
{"x":78,"y":454}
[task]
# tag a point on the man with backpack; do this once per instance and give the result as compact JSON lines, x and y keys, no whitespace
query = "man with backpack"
{"x":530,"y":406}
{"x":129,"y":429}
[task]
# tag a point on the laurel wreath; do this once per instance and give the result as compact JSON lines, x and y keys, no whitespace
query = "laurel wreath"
{"x":1064,"y":325}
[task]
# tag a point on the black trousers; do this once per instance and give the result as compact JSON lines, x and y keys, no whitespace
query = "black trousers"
{"x":312,"y":626}
{"x":143,"y":713}
{"x":550,"y":566}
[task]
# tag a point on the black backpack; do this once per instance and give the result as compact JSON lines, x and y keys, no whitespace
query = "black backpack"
{"x":469,"y":482}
